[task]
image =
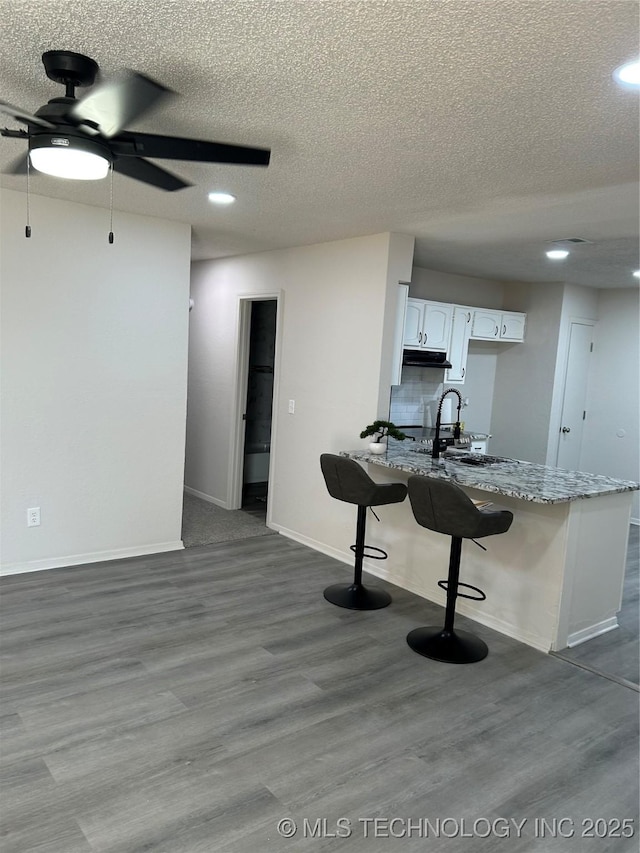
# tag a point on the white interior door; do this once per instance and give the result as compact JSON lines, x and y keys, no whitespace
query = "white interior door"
{"x":575,"y":396}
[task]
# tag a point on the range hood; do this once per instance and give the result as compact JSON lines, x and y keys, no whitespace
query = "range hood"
{"x":425,"y":358}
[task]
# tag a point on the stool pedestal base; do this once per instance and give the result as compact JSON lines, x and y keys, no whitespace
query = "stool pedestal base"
{"x":447,"y":646}
{"x":356,"y":597}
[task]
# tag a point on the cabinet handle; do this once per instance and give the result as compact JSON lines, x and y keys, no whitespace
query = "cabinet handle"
{"x":496,"y":331}
{"x":469,"y":317}
{"x":504,"y":330}
{"x":463,"y":371}
{"x":419,"y":337}
{"x":566,"y":429}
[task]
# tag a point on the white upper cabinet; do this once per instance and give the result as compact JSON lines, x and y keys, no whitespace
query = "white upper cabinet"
{"x":512,"y":326}
{"x":442,"y":327}
{"x":459,"y":347}
{"x":498,"y":325}
{"x":427,"y":325}
{"x":437,"y":326}
{"x":486,"y":324}
{"x":413,"y":322}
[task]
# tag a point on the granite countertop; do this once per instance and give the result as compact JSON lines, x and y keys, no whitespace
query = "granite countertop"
{"x":517,"y":479}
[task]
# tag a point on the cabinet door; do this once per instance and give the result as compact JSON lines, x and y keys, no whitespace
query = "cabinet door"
{"x":459,"y":347}
{"x":436,"y":329}
{"x":413,"y":322}
{"x":512,"y":327}
{"x":486,"y":324}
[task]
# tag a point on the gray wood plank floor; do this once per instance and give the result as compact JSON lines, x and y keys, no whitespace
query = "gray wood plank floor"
{"x":187,"y":702}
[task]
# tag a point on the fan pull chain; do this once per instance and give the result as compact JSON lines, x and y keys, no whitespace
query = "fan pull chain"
{"x":27,"y":230}
{"x":111,"y":205}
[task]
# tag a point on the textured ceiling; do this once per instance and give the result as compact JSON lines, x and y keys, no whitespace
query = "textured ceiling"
{"x":484,"y":127}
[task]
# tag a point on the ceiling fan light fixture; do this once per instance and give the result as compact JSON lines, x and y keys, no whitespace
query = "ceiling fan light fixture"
{"x":557,"y":254}
{"x":628,"y":75}
{"x":68,"y":156}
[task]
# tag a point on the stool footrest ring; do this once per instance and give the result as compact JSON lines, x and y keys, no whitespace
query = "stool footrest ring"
{"x":479,"y":597}
{"x":368,"y":548}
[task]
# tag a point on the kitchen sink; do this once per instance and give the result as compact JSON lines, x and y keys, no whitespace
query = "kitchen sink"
{"x":479,"y":459}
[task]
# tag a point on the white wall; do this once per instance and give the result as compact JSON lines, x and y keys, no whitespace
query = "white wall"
{"x":524,"y":381}
{"x":94,"y":360}
{"x":460,"y":289}
{"x":612,"y":404}
{"x":333,"y":359}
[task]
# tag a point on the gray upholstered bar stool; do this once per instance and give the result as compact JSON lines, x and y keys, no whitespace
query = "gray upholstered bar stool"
{"x":347,"y":481}
{"x":444,"y":507}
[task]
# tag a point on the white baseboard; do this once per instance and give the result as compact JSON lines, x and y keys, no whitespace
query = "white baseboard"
{"x":204,"y":497}
{"x":92,"y":557}
{"x":471,"y":612}
{"x":592,"y":631}
{"x":343,"y":556}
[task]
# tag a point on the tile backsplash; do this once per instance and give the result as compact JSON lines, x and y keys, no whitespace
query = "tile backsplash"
{"x":415,"y":401}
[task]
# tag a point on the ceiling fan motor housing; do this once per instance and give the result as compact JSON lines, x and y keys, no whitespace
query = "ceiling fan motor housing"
{"x":69,"y":68}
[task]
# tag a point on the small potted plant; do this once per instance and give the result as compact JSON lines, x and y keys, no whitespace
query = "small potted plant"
{"x":380,"y":430}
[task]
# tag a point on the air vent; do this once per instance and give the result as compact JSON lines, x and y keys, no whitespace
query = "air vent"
{"x":571,"y":240}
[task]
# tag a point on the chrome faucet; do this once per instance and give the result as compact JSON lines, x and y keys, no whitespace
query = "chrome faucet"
{"x":435,"y":452}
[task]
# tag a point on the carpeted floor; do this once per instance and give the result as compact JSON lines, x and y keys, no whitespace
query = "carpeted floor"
{"x":205,"y":523}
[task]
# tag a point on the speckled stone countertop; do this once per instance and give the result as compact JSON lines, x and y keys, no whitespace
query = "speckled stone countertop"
{"x":523,"y":480}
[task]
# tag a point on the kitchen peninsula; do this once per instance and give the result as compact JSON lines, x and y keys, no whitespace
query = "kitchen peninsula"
{"x":555,"y":579}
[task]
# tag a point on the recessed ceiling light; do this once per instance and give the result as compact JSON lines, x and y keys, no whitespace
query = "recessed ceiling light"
{"x":637,"y":273}
{"x":628,"y":74}
{"x":221,"y":198}
{"x":557,"y":254}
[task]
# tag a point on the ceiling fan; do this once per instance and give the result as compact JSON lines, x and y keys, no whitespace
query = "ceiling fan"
{"x":82,"y":138}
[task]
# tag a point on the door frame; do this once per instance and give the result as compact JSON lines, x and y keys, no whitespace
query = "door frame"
{"x":236,"y":440}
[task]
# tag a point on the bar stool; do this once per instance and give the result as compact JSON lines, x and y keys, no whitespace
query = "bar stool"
{"x":444,"y":507}
{"x":347,"y":481}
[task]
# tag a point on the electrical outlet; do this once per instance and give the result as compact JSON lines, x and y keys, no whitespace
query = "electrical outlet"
{"x":292,"y":407}
{"x":33,"y":516}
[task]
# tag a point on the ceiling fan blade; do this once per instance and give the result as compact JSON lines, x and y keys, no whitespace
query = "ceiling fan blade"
{"x":17,"y":166}
{"x":112,"y":105}
{"x":22,"y":115}
{"x":149,"y":173}
{"x":176,"y":148}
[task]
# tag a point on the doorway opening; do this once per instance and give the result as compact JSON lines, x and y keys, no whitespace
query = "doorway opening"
{"x":258,"y":406}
